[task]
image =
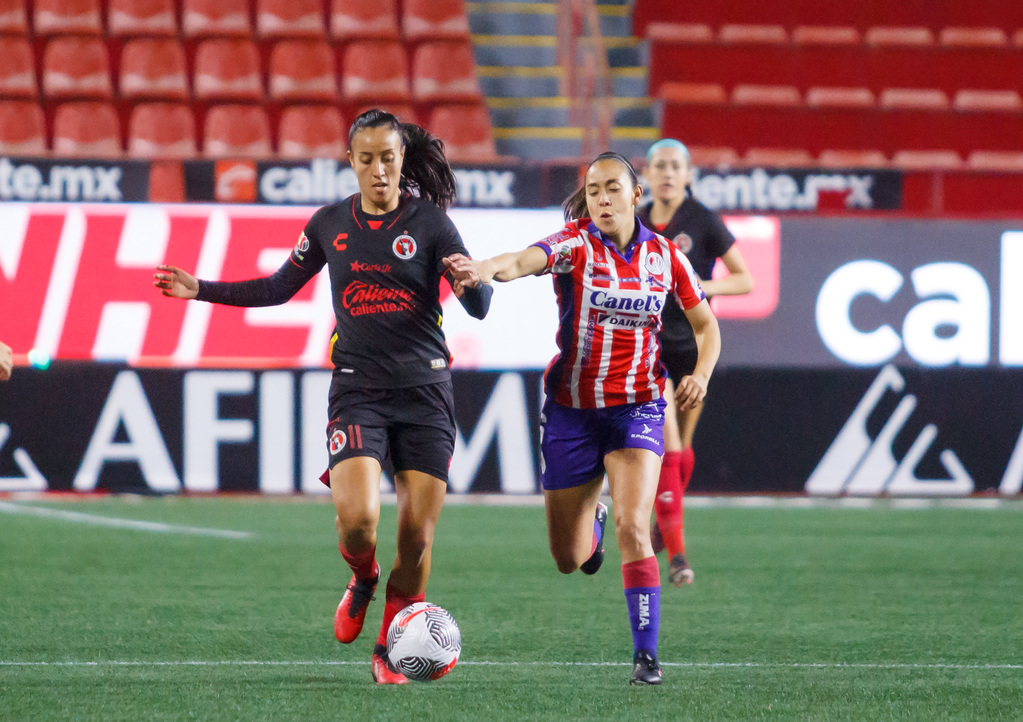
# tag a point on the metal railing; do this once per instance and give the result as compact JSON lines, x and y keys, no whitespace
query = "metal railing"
{"x":585,"y":74}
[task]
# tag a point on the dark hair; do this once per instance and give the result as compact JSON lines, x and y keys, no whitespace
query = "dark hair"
{"x":575,"y":205}
{"x":425,"y":170}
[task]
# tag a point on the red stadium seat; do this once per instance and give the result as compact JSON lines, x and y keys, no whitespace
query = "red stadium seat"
{"x":17,"y":68}
{"x":161,"y":130}
{"x":434,"y":20}
{"x":1017,"y":38}
{"x":931,"y":98}
{"x":707,"y":93}
{"x":302,"y":70}
{"x":227,"y":69}
{"x":706,"y":157}
{"x":927,"y":159}
{"x":236,"y":131}
{"x":290,"y":18}
{"x":56,"y":17}
{"x":997,"y":100}
{"x":466,"y":132}
{"x":22,"y":128}
{"x":766,"y":95}
{"x":375,"y":71}
{"x":973,"y":37}
{"x":847,"y":97}
{"x":883,"y":35}
{"x":76,"y":67}
{"x":444,"y":72}
{"x":778,"y":157}
{"x":826,"y":35}
{"x":753,"y":34}
{"x":364,"y":20}
{"x":680,"y":32}
{"x":87,"y":130}
{"x":1001,"y":161}
{"x":153,"y":68}
{"x":13,"y":18}
{"x":205,"y":18}
{"x":142,"y":17}
{"x":311,"y":131}
{"x":852,"y":159}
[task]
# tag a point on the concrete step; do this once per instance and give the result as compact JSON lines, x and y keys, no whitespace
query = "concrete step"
{"x":531,"y":82}
{"x":537,"y":50}
{"x":555,"y":112}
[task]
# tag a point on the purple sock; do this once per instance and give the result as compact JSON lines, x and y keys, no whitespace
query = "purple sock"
{"x":642,"y":581}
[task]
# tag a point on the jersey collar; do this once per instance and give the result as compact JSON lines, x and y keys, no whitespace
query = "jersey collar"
{"x":645,"y":234}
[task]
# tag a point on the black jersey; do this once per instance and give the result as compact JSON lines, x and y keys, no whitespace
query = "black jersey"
{"x":704,"y":238}
{"x":385,"y":274}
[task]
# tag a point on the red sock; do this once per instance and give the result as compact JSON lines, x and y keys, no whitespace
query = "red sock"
{"x":668,"y":503}
{"x":675,"y":538}
{"x":364,"y":564}
{"x":395,"y":601}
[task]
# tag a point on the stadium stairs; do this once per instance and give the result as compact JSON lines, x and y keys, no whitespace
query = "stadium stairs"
{"x":515,"y":49}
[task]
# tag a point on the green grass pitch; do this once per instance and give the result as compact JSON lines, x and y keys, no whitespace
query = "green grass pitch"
{"x":796,"y":613}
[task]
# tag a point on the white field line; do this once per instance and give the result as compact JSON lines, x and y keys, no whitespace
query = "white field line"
{"x":97,"y":520}
{"x":348,"y":663}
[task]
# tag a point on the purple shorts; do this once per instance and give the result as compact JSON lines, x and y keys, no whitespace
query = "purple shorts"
{"x":573,"y":442}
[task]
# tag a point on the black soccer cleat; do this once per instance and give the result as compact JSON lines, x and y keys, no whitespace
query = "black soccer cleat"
{"x":645,"y":669}
{"x":591,"y":565}
{"x":679,"y":571}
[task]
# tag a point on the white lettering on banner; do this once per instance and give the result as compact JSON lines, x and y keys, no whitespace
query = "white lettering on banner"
{"x":276,"y":432}
{"x":485,"y":187}
{"x":315,"y":387}
{"x":14,"y":222}
{"x":31,"y":479}
{"x":506,"y":417}
{"x":1010,"y":340}
{"x":856,"y":465}
{"x":321,"y":182}
{"x":759,"y":190}
{"x":210,"y":265}
{"x":58,"y":292}
{"x":127,"y":405}
{"x":67,"y":183}
{"x":1012,"y":480}
{"x":205,"y":430}
{"x":968,"y":311}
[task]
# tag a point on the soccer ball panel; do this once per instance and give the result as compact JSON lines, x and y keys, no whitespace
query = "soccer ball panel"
{"x":423,"y":642}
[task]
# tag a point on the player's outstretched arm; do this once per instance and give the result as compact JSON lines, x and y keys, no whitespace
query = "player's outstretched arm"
{"x":6,"y":361}
{"x":692,"y":389}
{"x":472,"y":293}
{"x":174,"y":282}
{"x":509,"y":266}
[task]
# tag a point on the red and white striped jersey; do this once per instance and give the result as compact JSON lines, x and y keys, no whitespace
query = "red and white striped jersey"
{"x":609,"y":311}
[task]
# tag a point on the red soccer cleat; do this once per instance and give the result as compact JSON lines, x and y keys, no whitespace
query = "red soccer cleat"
{"x":351,"y":612}
{"x":382,"y":672}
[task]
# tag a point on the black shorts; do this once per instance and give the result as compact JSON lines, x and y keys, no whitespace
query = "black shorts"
{"x":679,"y":358}
{"x":413,"y":428}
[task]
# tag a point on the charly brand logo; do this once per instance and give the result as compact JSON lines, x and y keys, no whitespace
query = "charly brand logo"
{"x":855,"y":464}
{"x":404,"y":246}
{"x":301,"y":247}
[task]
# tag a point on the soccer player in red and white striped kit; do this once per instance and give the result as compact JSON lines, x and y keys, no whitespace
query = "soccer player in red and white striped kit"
{"x":605,"y":404}
{"x":701,"y":234}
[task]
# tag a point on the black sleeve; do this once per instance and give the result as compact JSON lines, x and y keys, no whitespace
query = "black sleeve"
{"x":476,"y":300}
{"x":719,"y":238}
{"x":267,"y":291}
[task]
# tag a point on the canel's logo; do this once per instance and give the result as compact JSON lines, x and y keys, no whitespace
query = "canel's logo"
{"x":856,"y":464}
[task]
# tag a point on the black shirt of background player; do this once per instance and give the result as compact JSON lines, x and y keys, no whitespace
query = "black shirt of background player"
{"x":385,"y":274}
{"x":704,"y":238}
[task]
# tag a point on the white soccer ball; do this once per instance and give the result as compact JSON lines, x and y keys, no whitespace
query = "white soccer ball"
{"x":423,"y":642}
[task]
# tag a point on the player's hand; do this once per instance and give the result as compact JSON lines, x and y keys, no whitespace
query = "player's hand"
{"x":174,"y":282}
{"x":464,"y":272}
{"x":691,"y":392}
{"x":6,"y":361}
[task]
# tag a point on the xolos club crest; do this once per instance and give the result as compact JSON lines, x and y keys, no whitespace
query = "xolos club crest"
{"x":404,"y":246}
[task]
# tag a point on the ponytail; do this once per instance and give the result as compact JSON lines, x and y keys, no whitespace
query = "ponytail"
{"x":425,"y":170}
{"x":574,"y":206}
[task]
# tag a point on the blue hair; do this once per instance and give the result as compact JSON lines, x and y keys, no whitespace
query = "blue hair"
{"x":667,"y":143}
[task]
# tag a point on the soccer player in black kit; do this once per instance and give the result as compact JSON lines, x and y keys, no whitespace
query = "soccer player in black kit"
{"x":703,"y":237}
{"x":386,"y":249}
